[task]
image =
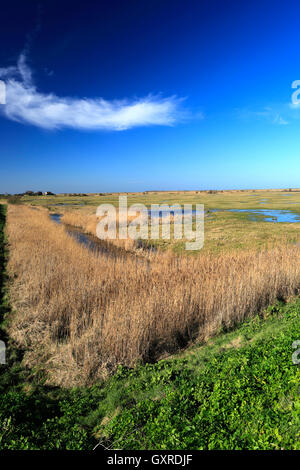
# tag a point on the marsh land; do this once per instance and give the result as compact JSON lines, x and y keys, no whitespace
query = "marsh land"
{"x":151,"y":349}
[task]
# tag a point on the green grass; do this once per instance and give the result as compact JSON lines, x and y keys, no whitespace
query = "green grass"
{"x":239,"y":391}
{"x":274,"y":199}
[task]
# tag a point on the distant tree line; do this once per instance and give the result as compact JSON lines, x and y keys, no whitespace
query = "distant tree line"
{"x":37,"y":193}
{"x":27,"y":193}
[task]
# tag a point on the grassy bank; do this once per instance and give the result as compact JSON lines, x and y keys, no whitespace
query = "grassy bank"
{"x":241,"y":391}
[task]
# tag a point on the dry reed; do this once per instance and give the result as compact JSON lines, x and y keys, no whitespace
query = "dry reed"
{"x":78,"y":315}
{"x":87,"y":222}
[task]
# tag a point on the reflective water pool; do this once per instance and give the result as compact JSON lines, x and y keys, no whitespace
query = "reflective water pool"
{"x":270,"y":215}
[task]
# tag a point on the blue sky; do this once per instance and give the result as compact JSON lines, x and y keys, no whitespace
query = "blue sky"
{"x":137,"y":95}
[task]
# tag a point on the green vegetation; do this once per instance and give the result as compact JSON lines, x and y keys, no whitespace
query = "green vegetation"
{"x":273,"y":199}
{"x":14,"y":199}
{"x":239,"y":391}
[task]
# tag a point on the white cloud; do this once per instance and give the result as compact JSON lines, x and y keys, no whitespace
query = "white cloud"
{"x":8,"y":71}
{"x":24,"y":70}
{"x":24,"y":103}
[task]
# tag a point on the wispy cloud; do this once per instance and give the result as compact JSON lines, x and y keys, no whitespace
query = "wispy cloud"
{"x":24,"y":103}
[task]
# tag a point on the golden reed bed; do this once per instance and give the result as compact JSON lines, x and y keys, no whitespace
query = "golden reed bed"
{"x":87,"y":222}
{"x":78,"y":315}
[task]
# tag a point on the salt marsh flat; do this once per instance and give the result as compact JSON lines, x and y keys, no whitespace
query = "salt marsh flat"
{"x":224,"y":229}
